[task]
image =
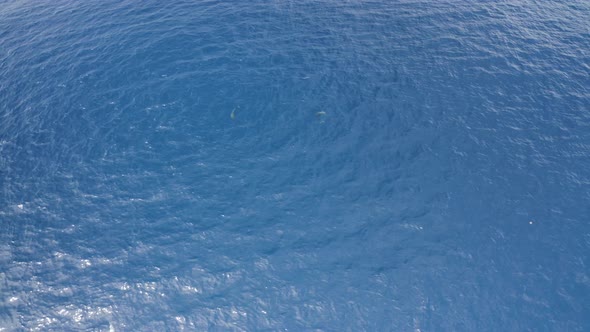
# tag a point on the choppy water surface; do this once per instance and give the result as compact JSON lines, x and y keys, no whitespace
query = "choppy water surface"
{"x":294,"y":165}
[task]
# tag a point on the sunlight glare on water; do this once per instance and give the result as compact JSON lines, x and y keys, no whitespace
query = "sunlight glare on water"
{"x":294,"y":165}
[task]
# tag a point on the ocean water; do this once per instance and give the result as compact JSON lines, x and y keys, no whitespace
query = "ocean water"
{"x":313,"y":165}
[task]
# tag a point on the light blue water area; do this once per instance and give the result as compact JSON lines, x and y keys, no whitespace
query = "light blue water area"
{"x":294,"y":165}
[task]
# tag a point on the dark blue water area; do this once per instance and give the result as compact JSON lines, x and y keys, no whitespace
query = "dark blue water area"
{"x":294,"y":165}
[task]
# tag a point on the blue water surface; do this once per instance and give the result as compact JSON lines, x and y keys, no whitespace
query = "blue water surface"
{"x":313,"y":165}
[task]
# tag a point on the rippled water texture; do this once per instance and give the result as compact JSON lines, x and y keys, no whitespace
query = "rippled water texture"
{"x":294,"y":165}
